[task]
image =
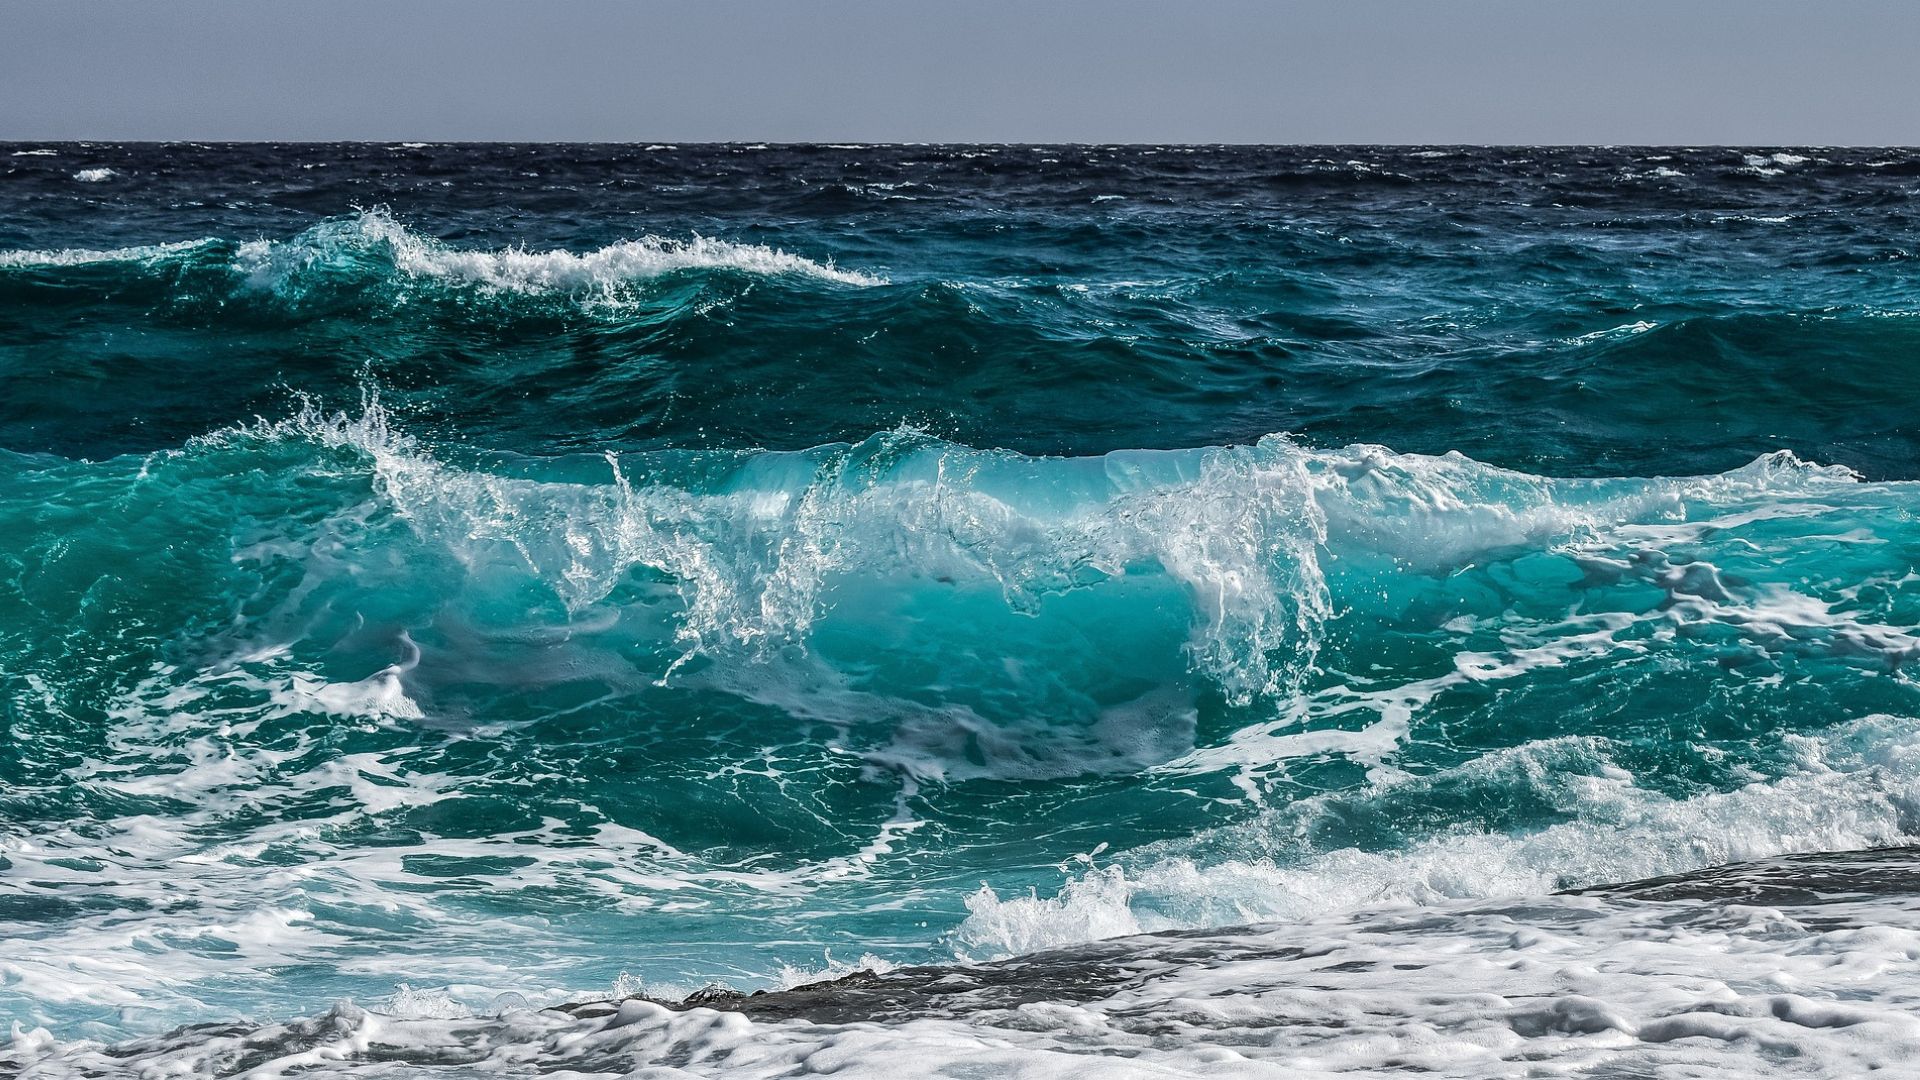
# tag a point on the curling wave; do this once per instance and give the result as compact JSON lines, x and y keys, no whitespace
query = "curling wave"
{"x":754,"y":543}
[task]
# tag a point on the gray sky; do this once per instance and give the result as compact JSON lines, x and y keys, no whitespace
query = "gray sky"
{"x":1680,"y":71}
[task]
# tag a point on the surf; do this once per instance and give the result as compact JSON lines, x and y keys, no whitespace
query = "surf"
{"x":547,"y":611}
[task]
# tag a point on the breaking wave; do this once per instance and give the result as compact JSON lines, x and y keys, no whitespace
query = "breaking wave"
{"x":371,"y":249}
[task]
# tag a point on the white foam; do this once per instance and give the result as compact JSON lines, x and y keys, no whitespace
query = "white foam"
{"x":94,"y":176}
{"x":277,"y":264}
{"x":284,"y":891}
{"x":1590,"y":985}
{"x":1856,"y":786}
{"x":1624,"y":330}
{"x":1772,"y":164}
{"x":88,"y":256}
{"x":792,"y":976}
{"x":290,"y":266}
{"x":427,"y":1003}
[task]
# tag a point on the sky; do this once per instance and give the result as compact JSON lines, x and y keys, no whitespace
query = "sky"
{"x":1278,"y":71}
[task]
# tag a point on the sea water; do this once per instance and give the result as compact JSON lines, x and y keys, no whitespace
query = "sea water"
{"x":1136,"y":610}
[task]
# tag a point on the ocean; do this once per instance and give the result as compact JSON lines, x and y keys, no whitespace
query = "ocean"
{"x":962,"y":611}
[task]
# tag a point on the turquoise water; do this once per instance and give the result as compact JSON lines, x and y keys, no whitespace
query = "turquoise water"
{"x":469,"y":572}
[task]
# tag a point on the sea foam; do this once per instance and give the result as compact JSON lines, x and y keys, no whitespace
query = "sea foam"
{"x":63,"y":257}
{"x":1856,"y":786}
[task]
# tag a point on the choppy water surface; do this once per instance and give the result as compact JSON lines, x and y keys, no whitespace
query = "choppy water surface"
{"x":461,"y":580}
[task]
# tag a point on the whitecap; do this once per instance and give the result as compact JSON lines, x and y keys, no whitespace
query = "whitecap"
{"x":1625,"y":330}
{"x":280,"y":264}
{"x":89,"y":256}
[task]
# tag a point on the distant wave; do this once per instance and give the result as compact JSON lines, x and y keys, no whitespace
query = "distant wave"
{"x":145,"y":253}
{"x":371,"y":248}
{"x":275,"y":263}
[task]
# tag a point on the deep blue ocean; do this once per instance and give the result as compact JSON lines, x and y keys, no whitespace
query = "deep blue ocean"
{"x":457,"y":580}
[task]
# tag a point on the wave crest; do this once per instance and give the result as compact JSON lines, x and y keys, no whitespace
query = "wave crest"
{"x":1264,"y":545}
{"x":282,"y":266}
{"x":372,"y":249}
